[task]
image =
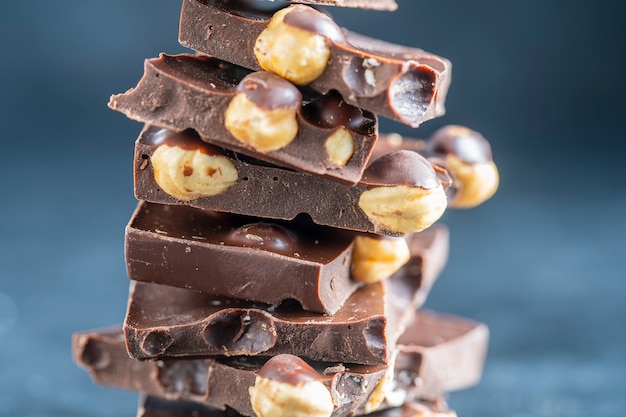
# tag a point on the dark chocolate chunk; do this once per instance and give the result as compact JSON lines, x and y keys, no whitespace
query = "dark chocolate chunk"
{"x":273,"y":192}
{"x":241,"y":257}
{"x":403,"y":83}
{"x":168,"y":321}
{"x":198,"y":92}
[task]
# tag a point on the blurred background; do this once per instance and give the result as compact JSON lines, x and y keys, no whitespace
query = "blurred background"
{"x":542,"y":263}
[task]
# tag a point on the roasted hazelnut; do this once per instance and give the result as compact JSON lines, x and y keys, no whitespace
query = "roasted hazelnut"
{"x":263,"y":112}
{"x":404,"y":193}
{"x":295,"y":44}
{"x":286,"y":386}
{"x":340,"y":146}
{"x":466,"y":155}
{"x":188,"y":174}
{"x":381,"y":390}
{"x":377,"y":258}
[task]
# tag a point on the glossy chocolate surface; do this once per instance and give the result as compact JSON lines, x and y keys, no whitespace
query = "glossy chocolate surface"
{"x":168,"y":321}
{"x":241,"y":257}
{"x":259,"y":188}
{"x":403,"y":83}
{"x":193,"y":92}
{"x":468,"y":145}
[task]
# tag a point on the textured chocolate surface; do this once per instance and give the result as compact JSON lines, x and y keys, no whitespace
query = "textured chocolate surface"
{"x":168,"y":321}
{"x":403,"y":83}
{"x":216,"y":382}
{"x":222,"y":382}
{"x":150,"y":406}
{"x":241,"y":257}
{"x":273,"y":192}
{"x":188,"y":91}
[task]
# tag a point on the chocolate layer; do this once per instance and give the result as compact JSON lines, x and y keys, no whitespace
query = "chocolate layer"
{"x":189,"y":91}
{"x":241,"y":257}
{"x":222,"y":382}
{"x":403,"y":83}
{"x":150,"y":406}
{"x":277,"y":193}
{"x":168,"y":321}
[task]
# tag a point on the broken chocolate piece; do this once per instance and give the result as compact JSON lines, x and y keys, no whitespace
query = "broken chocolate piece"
{"x":402,"y":83}
{"x":150,"y":406}
{"x":257,"y":114}
{"x":421,"y":371}
{"x":241,"y":257}
{"x":168,"y":321}
{"x":278,"y":193}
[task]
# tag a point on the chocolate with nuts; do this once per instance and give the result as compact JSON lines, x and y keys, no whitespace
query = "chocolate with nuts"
{"x":371,"y":206}
{"x":402,"y":83}
{"x":258,"y":114}
{"x":464,"y":154}
{"x":241,"y":257}
{"x":168,"y":321}
{"x":150,"y":406}
{"x":225,"y":382}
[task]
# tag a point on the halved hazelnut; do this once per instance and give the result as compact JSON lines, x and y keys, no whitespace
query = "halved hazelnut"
{"x":340,"y":146}
{"x":295,"y":44}
{"x":286,"y":386}
{"x":378,"y":257}
{"x":188,"y":174}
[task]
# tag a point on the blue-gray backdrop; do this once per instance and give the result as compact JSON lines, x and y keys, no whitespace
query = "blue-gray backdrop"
{"x":542,"y":263}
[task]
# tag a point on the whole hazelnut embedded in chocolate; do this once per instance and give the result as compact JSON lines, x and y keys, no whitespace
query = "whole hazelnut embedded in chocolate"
{"x":404,"y":194}
{"x":295,"y":44}
{"x":376,"y":258}
{"x":467,"y":157}
{"x":340,"y":146}
{"x":188,"y":174}
{"x":263,"y":112}
{"x":286,"y":386}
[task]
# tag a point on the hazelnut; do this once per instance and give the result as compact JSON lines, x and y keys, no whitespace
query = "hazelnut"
{"x":403,"y":209}
{"x":466,"y":155}
{"x":188,"y":174}
{"x":377,"y":258}
{"x":340,"y":146}
{"x":263,"y":112}
{"x":475,"y":182}
{"x":295,"y":44}
{"x":286,"y":386}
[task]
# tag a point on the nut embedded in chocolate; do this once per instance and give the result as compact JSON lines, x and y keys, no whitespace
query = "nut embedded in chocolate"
{"x":467,"y":156}
{"x":262,"y":114}
{"x":188,"y":173}
{"x":404,"y":195}
{"x":286,"y":386}
{"x":295,"y":44}
{"x":378,"y":257}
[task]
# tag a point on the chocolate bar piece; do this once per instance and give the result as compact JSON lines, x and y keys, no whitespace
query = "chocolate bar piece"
{"x":440,"y":353}
{"x":225,"y":382}
{"x":257,"y":114}
{"x":403,"y":83}
{"x":399,"y":193}
{"x":150,"y":406}
{"x":241,"y":257}
{"x":168,"y":321}
{"x":216,"y":382}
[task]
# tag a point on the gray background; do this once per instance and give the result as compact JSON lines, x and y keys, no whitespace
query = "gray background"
{"x":542,"y":263}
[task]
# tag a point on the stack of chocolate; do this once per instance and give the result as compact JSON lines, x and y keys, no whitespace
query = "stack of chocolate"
{"x":281,"y":250}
